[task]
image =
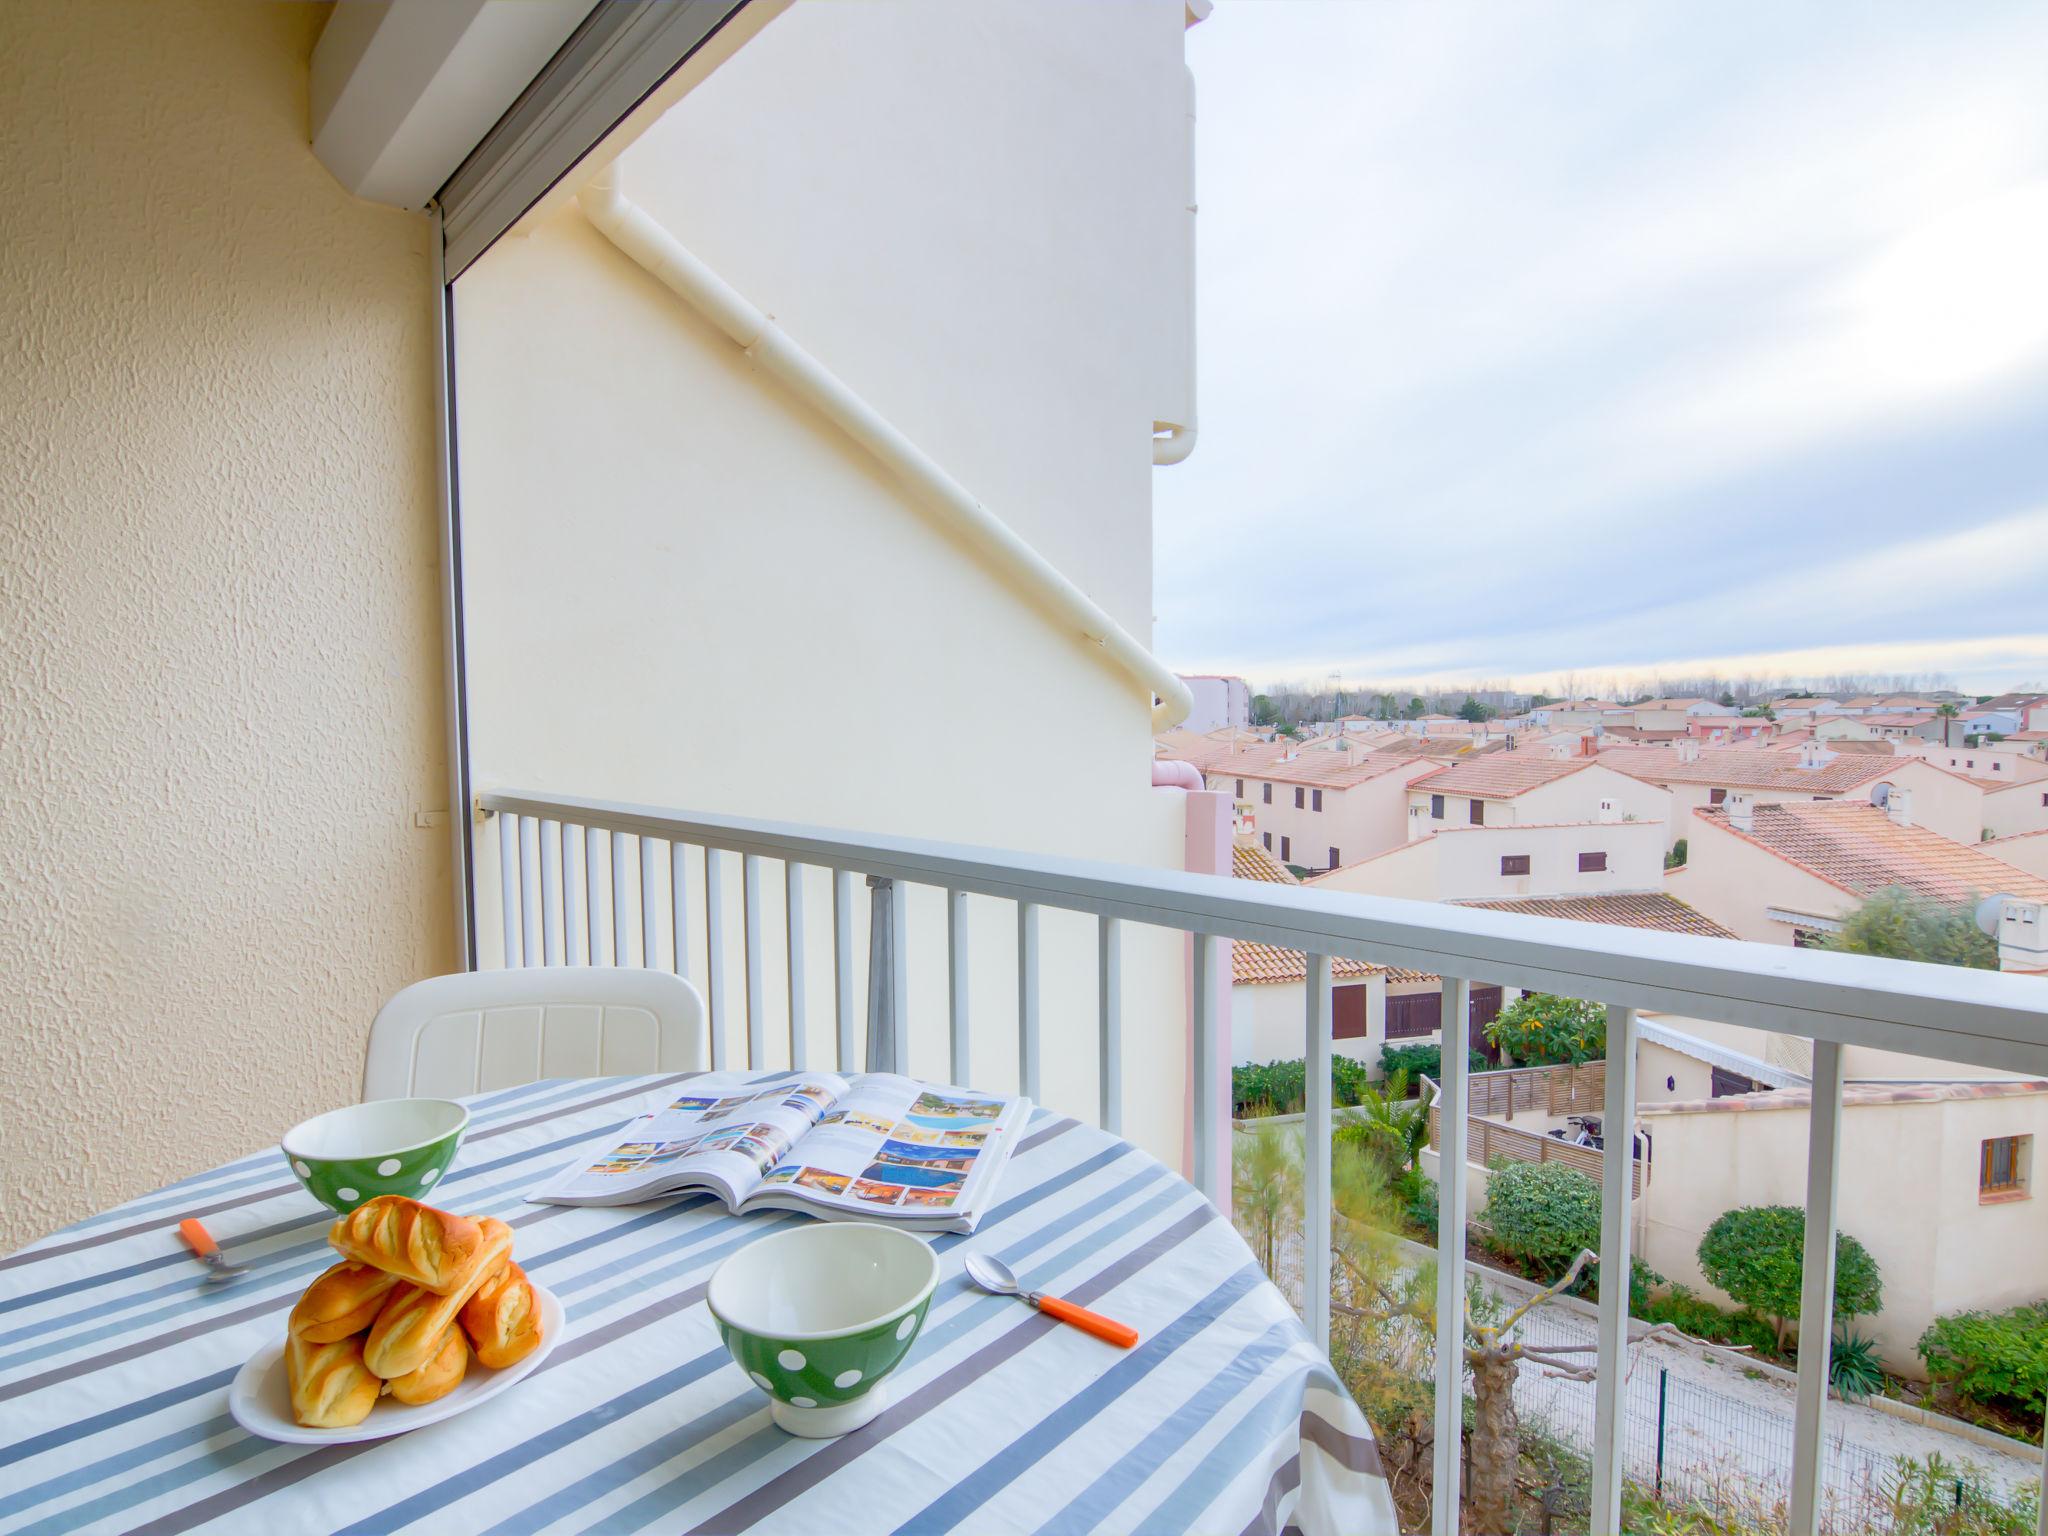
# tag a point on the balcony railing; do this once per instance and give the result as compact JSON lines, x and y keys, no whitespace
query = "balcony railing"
{"x":1978,"y":1018}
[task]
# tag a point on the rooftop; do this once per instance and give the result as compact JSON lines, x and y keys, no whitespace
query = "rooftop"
{"x":1501,"y":777}
{"x":1749,"y":768}
{"x":1620,"y":909}
{"x":1858,"y":847}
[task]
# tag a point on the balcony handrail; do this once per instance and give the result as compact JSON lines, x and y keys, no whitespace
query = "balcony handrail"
{"x":1984,"y":1018}
{"x":552,"y":918}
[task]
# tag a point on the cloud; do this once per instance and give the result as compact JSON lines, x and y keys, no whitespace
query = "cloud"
{"x":1531,"y":331}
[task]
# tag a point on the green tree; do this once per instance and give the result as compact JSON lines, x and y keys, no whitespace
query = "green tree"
{"x":1416,"y":709}
{"x":1540,"y":1028}
{"x":1265,"y":1188}
{"x":1263,"y":712}
{"x":1676,"y":857}
{"x":1727,"y":699}
{"x":1475,"y":711}
{"x":1757,"y":1254}
{"x":1543,"y":1213}
{"x":1949,"y":711}
{"x":1901,"y":925}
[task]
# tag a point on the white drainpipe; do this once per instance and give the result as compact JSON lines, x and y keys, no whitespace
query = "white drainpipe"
{"x":633,"y":231}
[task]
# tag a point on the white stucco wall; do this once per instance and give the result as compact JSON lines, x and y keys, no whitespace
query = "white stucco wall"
{"x":219,"y":663}
{"x":976,"y":217}
{"x":1908,"y":1194}
{"x":1269,"y":1022}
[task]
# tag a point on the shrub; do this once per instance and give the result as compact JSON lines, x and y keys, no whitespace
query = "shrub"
{"x":1689,"y":1312}
{"x":1992,"y":1357}
{"x":1420,"y":1061}
{"x":1756,"y":1255}
{"x":1543,"y":1213}
{"x":1281,"y":1087}
{"x":1418,"y":1201}
{"x":1541,"y":1029}
{"x":1901,"y":925}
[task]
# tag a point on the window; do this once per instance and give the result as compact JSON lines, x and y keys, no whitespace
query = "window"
{"x":1240,"y":789}
{"x":1300,"y":797}
{"x":1514,"y":863}
{"x":1477,"y":812}
{"x":1436,"y":807}
{"x":2002,"y":1169}
{"x":1267,"y":791}
{"x":1269,"y":842}
{"x":1729,"y":1084}
{"x":1334,"y":860}
{"x":1286,"y":850}
{"x":1349,"y":1018}
{"x":1716,"y":796}
{"x":1590,"y":863}
{"x":1316,"y":800}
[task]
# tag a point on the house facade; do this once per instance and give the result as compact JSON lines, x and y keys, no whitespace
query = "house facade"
{"x":1221,"y":703}
{"x":1522,"y":788}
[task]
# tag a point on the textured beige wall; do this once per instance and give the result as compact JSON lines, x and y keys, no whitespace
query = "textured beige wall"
{"x":219,"y":673}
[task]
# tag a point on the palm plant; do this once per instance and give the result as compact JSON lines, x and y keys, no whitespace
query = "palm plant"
{"x":1387,"y":1123}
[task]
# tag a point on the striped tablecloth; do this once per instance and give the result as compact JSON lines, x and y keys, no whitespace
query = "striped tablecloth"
{"x":115,"y":1362}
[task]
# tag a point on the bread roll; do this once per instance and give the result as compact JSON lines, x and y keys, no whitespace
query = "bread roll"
{"x":441,"y":1375}
{"x":343,"y":1301}
{"x":503,"y":1318}
{"x":330,"y":1387}
{"x":409,"y":1327}
{"x":431,"y":1249}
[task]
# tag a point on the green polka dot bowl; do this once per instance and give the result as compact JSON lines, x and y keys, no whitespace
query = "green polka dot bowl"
{"x":819,"y":1315}
{"x":384,"y":1147}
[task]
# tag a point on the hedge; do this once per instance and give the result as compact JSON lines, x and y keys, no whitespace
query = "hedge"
{"x":1992,"y":1357}
{"x":1543,"y":1213}
{"x":1281,"y":1087}
{"x":1418,"y":1060}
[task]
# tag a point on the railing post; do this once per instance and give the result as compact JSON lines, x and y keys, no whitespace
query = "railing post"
{"x":508,"y":883}
{"x":650,"y":908}
{"x":551,"y":891}
{"x":750,"y":951}
{"x":622,"y":946}
{"x":593,"y":891}
{"x":1029,"y":1054}
{"x":1315,"y":1258}
{"x":714,"y":951}
{"x":888,"y":1036}
{"x":844,"y":1019}
{"x":1617,"y":1177}
{"x":957,"y":977}
{"x":529,"y":892}
{"x":679,"y":905}
{"x":1817,"y":1287}
{"x":1203,"y":1066}
{"x":1451,"y":1204}
{"x":1109,"y":1004}
{"x":575,"y":927}
{"x":793,"y":932}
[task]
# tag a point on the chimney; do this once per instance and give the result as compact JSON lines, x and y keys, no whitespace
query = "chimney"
{"x":1739,"y":805}
{"x":1814,"y":754}
{"x":1899,"y":806}
{"x":1689,"y":750}
{"x":2022,"y":936}
{"x":1609,"y":811}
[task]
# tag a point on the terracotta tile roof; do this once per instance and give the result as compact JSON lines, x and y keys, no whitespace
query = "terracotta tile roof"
{"x":1324,"y":767}
{"x":2017,"y":771}
{"x":1879,"y":748}
{"x":1502,"y":777}
{"x":1249,"y":861}
{"x":1619,"y":909}
{"x":1763,"y":768}
{"x":1914,"y":719}
{"x":1856,"y":846}
{"x":1434,"y":746}
{"x":1854,"y":1095}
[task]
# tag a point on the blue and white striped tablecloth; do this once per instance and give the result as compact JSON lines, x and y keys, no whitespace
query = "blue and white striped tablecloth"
{"x":115,"y":1362}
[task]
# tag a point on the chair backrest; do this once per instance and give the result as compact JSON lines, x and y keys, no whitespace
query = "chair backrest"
{"x":480,"y":1030}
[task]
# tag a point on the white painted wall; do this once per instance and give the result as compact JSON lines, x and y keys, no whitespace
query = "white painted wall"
{"x":1464,"y":863}
{"x":975,"y":216}
{"x":220,"y":671}
{"x":1269,"y":1022}
{"x":1220,"y":703}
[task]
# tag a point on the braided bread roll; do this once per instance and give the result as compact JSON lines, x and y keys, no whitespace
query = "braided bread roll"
{"x":441,"y":1375}
{"x":503,"y":1318}
{"x":431,"y":1249}
{"x":343,"y":1301}
{"x":329,"y":1385}
{"x":408,"y":1329}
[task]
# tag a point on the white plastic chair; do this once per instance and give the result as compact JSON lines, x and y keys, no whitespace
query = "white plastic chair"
{"x":481,"y":1030}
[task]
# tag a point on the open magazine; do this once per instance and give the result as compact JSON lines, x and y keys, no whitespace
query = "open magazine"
{"x":867,"y":1146}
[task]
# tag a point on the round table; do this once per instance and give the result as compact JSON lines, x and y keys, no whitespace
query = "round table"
{"x":115,"y":1360}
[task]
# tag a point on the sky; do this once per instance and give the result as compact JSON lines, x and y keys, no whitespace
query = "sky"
{"x":1610,"y":339}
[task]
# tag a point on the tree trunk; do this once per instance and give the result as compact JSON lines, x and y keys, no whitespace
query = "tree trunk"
{"x":1496,"y":1443}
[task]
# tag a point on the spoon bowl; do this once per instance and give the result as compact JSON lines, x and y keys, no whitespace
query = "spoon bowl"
{"x":993,"y":1275}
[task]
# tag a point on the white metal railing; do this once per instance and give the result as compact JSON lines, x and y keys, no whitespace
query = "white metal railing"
{"x":550,"y":916}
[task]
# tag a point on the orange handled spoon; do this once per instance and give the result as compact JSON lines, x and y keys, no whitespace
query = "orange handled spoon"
{"x":218,"y":1270}
{"x":996,"y":1277}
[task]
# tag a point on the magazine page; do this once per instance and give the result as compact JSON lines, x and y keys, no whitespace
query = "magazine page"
{"x":722,"y":1133}
{"x":894,"y":1146}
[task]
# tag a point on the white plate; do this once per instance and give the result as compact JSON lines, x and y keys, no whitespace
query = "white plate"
{"x":261,"y":1400}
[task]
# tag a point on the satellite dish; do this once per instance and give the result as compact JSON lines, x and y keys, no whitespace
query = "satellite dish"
{"x":1880,"y":795}
{"x":1988,"y":911}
